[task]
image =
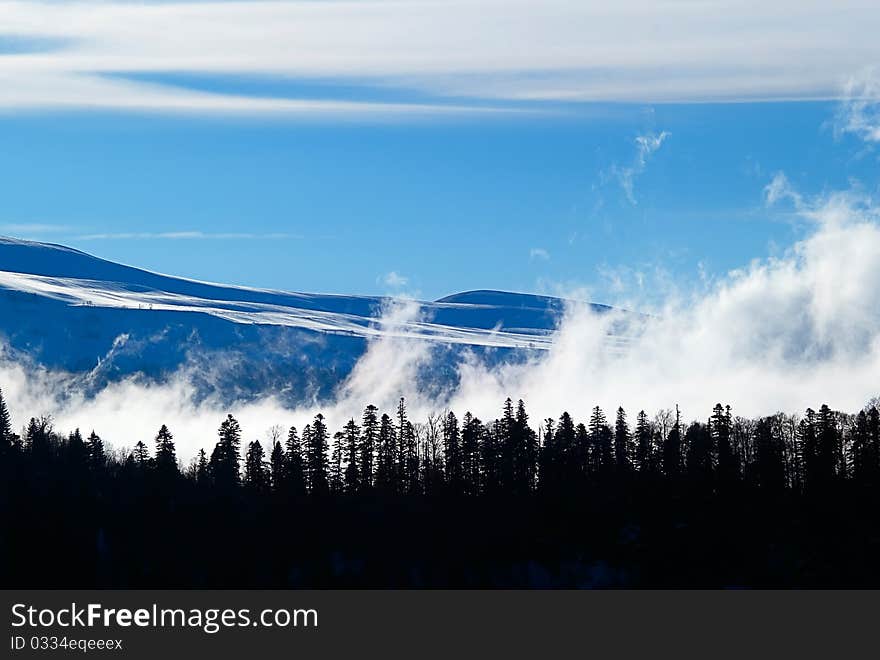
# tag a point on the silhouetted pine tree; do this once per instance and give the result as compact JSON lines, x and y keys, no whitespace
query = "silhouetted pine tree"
{"x":601,"y":440}
{"x":463,"y":466}
{"x":699,"y":459}
{"x":411,"y":459}
{"x":296,"y":466}
{"x":728,"y":465}
{"x":622,"y":443}
{"x":769,"y":465}
{"x":400,"y":448}
{"x":490,"y":458}
{"x":141,"y":456}
{"x":226,"y":457}
{"x":256,"y":472}
{"x":643,"y":443}
{"x":335,"y":473}
{"x":37,"y":438}
{"x":280,"y":471}
{"x":548,"y":456}
{"x":672,"y":449}
{"x":367,"y":451}
{"x":452,"y":452}
{"x":166,"y":455}
{"x":860,"y":447}
{"x":506,"y":446}
{"x":385,"y":472}
{"x":5,"y":427}
{"x":525,"y":452}
{"x":203,"y":473}
{"x":351,"y":478}
{"x":317,"y":462}
{"x":77,"y":454}
{"x":829,"y":441}
{"x":568,"y":469}
{"x":95,"y":448}
{"x":809,"y":441}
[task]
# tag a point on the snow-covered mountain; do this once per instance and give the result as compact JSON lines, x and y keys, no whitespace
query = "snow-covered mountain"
{"x":101,"y":321}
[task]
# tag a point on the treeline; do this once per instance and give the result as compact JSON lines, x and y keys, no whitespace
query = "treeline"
{"x":386,"y":468}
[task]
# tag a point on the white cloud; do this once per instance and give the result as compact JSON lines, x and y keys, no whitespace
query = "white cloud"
{"x":859,"y":113}
{"x":780,"y":189}
{"x":631,"y":50}
{"x":395,"y":280}
{"x":186,"y":235}
{"x":646,"y":146}
{"x":33,"y":229}
{"x":539,"y":253}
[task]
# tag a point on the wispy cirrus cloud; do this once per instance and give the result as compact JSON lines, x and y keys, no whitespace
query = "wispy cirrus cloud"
{"x":87,"y":55}
{"x":34,"y":229}
{"x":186,"y":236}
{"x":780,"y":189}
{"x":646,"y":146}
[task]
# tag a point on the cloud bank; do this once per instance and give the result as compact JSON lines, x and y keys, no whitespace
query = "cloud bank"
{"x":87,"y":55}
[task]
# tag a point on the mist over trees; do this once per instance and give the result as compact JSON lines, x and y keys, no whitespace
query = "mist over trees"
{"x":385,"y":500}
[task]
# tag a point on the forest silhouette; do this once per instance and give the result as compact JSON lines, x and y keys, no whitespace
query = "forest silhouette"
{"x":385,"y":501}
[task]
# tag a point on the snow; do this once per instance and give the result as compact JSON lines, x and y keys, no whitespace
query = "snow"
{"x":68,"y":310}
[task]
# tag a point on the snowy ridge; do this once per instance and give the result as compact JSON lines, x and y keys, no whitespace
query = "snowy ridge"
{"x":101,"y":322}
{"x":96,"y":293}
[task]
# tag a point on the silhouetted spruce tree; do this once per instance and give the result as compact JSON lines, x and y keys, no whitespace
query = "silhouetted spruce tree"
{"x":506,"y":446}
{"x":699,"y":461}
{"x":38,"y":438}
{"x":256,"y":472}
{"x":385,"y":473}
{"x":643,"y":443}
{"x":203,"y":473}
{"x":490,"y":458}
{"x":728,"y":465}
{"x":400,"y":448}
{"x":829,"y":450}
{"x":809,"y":441}
{"x":566,"y":453}
{"x":351,"y":478}
{"x":141,"y":455}
{"x":280,"y":471}
{"x":548,"y":456}
{"x":5,"y":428}
{"x":317,"y":461}
{"x":525,"y":451}
{"x":463,"y":466}
{"x":77,"y":455}
{"x":601,"y":440}
{"x":672,"y":449}
{"x":860,"y":447}
{"x":369,"y":440}
{"x":411,"y":461}
{"x":296,"y":465}
{"x":226,"y":457}
{"x":337,"y":452}
{"x":166,"y":455}
{"x":769,"y":460}
{"x":452,"y":452}
{"x":582,"y":455}
{"x":95,"y":448}
{"x":622,"y":442}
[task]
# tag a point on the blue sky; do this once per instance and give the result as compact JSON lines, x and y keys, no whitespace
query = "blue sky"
{"x":520,"y":173}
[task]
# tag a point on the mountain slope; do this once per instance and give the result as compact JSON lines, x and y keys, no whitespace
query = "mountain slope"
{"x":67,"y":310}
